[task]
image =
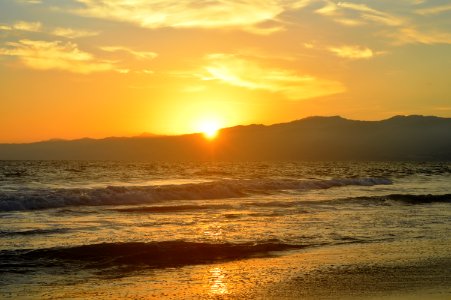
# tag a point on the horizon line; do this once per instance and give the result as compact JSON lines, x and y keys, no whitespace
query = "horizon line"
{"x":145,"y":135}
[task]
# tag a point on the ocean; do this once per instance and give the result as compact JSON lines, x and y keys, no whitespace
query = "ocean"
{"x":141,"y":230}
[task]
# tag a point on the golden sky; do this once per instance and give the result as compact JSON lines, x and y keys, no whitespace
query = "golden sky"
{"x":97,"y":68}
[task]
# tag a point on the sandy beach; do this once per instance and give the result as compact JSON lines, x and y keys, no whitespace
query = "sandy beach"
{"x":398,"y":270}
{"x":372,"y":271}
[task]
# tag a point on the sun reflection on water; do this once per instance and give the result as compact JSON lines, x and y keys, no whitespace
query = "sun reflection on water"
{"x":217,"y":282}
{"x":214,"y":232}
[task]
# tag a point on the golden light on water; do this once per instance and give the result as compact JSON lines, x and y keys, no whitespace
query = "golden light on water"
{"x":218,"y":284}
{"x":214,"y":231}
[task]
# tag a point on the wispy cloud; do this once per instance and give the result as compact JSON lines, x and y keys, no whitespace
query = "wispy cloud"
{"x":147,"y":71}
{"x":56,"y":55}
{"x":349,"y":21}
{"x":434,"y":10}
{"x":372,"y":14}
{"x":245,"y":73}
{"x":244,"y":14}
{"x":136,"y":54}
{"x":352,"y":52}
{"x":329,"y":9}
{"x":411,"y":35}
{"x":72,"y":33}
{"x":339,"y":12}
{"x":405,"y":28}
{"x":28,"y":26}
{"x":23,"y":26}
{"x":30,"y":1}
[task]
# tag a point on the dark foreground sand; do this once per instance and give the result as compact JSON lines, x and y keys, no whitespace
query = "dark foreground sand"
{"x":384,"y":270}
{"x":371,"y":271}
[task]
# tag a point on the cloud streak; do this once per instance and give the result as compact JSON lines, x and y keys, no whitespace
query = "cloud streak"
{"x":352,"y":52}
{"x":341,"y":13}
{"x":236,"y":71}
{"x":244,"y":14}
{"x":434,"y":10}
{"x":30,"y":1}
{"x":56,"y":55}
{"x":35,"y":27}
{"x":71,"y":33}
{"x":134,"y":53}
{"x":23,"y":26}
{"x":411,"y":35}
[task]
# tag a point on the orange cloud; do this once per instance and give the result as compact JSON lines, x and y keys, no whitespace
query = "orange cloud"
{"x":410,"y":35}
{"x":245,"y":73}
{"x":23,"y":26}
{"x":352,"y":52}
{"x":244,"y":15}
{"x":65,"y":32}
{"x":134,"y":53}
{"x":56,"y":55}
{"x":339,"y":12}
{"x":434,"y":10}
{"x":71,"y":33}
{"x":182,"y":13}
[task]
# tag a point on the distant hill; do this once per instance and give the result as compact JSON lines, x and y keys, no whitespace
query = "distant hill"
{"x":314,"y":138}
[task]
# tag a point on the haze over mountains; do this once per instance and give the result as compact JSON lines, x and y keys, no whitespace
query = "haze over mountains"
{"x":313,"y":138}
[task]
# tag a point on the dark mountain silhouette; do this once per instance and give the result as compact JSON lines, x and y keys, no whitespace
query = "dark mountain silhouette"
{"x":313,"y":138}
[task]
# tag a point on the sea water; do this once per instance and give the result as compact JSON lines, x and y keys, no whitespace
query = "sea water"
{"x":66,"y":222}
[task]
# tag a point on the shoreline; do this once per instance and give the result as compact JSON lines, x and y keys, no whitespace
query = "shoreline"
{"x":396,"y":270}
{"x":383,"y":270}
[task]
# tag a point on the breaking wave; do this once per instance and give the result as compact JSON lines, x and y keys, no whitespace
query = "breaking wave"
{"x":31,"y":199}
{"x":138,"y":254}
{"x":408,"y":199}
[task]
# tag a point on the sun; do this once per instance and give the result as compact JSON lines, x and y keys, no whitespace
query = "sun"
{"x":209,"y":128}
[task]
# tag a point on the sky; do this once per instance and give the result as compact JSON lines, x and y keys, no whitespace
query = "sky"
{"x":97,"y":68}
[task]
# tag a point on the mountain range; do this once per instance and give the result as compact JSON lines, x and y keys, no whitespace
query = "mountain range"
{"x":402,"y":138}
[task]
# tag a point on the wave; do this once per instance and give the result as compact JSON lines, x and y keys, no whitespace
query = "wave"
{"x":33,"y":232}
{"x":408,"y":199}
{"x":137,"y":254}
{"x":15,"y":173}
{"x":193,"y":207}
{"x":171,"y":208}
{"x":211,"y":173}
{"x":31,"y":199}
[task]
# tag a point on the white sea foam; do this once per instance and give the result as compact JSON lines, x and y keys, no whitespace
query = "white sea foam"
{"x":30,"y":199}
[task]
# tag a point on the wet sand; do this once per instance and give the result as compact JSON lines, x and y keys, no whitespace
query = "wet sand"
{"x":408,"y":270}
{"x":385,"y":270}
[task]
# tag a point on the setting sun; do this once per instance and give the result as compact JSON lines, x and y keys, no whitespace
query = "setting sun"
{"x":209,"y":128}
